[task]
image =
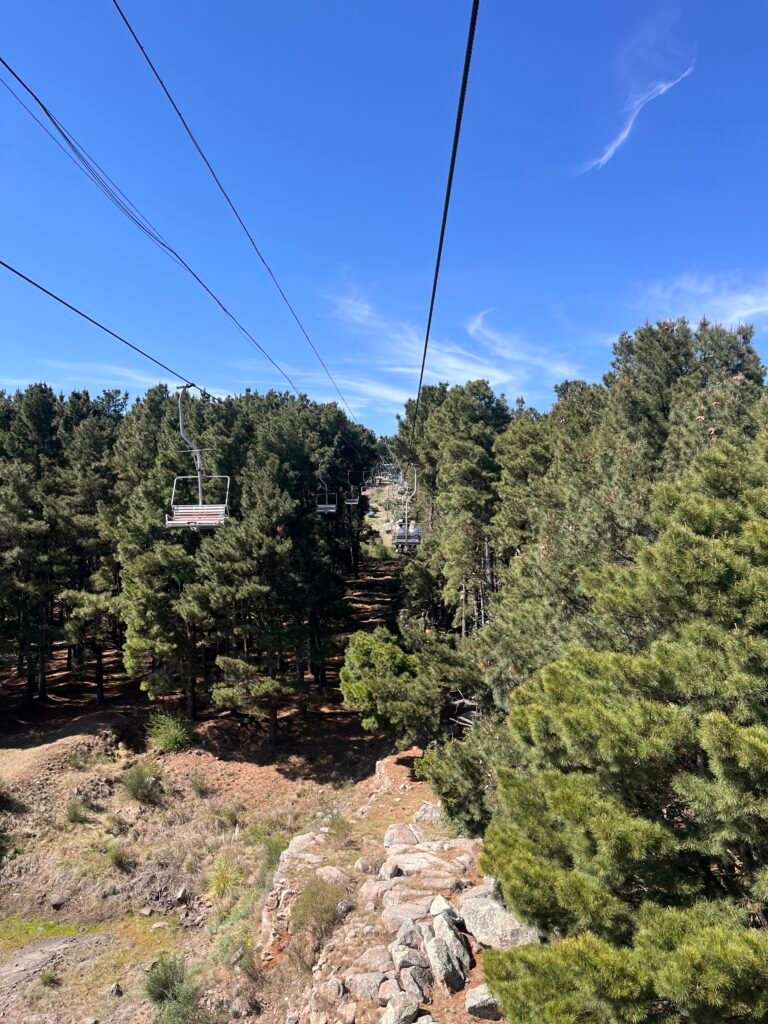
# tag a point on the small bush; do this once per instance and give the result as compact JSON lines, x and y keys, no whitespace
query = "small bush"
{"x":168,"y":731}
{"x":182,"y":1008}
{"x":340,"y":830}
{"x":199,"y":784}
{"x":144,"y":782}
{"x":316,"y":911}
{"x":224,"y":879}
{"x":228,"y":815}
{"x":78,"y":759}
{"x":49,"y":978}
{"x":272,"y":847}
{"x":5,"y":844}
{"x":76,"y":811}
{"x":166,"y":978}
{"x":119,"y":858}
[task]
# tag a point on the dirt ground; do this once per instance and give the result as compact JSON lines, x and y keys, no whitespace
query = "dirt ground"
{"x":76,"y":920}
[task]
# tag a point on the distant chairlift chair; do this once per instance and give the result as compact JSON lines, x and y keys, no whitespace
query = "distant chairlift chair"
{"x":327,"y":504}
{"x":202,"y":516}
{"x":352,"y":497}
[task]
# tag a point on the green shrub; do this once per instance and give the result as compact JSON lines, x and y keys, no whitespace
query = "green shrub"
{"x":166,"y":977}
{"x":76,"y":811}
{"x":182,"y":1008}
{"x":340,"y":830}
{"x":118,"y":857}
{"x":169,"y":731}
{"x":316,"y":911}
{"x":199,"y":784}
{"x":272,"y":847}
{"x":228,"y":815}
{"x":144,"y":782}
{"x":49,"y":978}
{"x":225,"y":878}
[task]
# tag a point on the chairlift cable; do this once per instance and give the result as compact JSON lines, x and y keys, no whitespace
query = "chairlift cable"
{"x":447,"y":201}
{"x":101,"y":326}
{"x":231,"y":205}
{"x":112,"y":191}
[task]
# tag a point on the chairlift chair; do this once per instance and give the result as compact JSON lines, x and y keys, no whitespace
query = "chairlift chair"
{"x":203,"y":515}
{"x":352,"y":497}
{"x":326,"y":504}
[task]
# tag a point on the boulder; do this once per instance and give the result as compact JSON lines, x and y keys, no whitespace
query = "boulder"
{"x":417,"y":981}
{"x":415,"y":862}
{"x":374,"y":889}
{"x":404,"y":835}
{"x":492,"y":925}
{"x":364,"y":866}
{"x":388,"y":990}
{"x":480,"y":1003}
{"x":447,"y":972}
{"x":366,"y":985}
{"x":331,"y":874}
{"x":426,"y":931}
{"x":57,"y":900}
{"x":428,"y":813}
{"x":377,"y":958}
{"x":446,"y":930}
{"x":403,"y":904}
{"x":401,"y":1009}
{"x":409,"y":935}
{"x":440,"y":905}
{"x":406,"y":956}
{"x":346,"y":1013}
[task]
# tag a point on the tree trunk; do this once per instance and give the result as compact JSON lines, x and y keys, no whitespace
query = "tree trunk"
{"x":463,"y":609}
{"x":31,"y":678}
{"x":98,"y":651}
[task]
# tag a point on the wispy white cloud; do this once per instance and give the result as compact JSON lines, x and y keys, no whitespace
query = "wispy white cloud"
{"x":730,"y":299}
{"x":86,"y":373}
{"x":503,"y":358}
{"x":634,"y":108}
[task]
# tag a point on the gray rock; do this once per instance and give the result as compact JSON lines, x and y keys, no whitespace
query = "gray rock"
{"x":365,"y":986}
{"x":446,"y":930}
{"x":332,"y":989}
{"x":346,"y":1013}
{"x":388,"y":990}
{"x":389,"y":869}
{"x":447,"y":972}
{"x":404,"y":835}
{"x":416,"y":862}
{"x":332,"y":874}
{"x":364,"y":866}
{"x":406,"y":956}
{"x":492,"y":925}
{"x":440,"y":905}
{"x":480,"y":1003}
{"x":377,"y":958}
{"x":401,"y":1009}
{"x":409,"y":935}
{"x":417,"y":981}
{"x":182,"y":895}
{"x":116,"y":990}
{"x":57,"y":900}
{"x":429,"y":813}
{"x":426,"y":1019}
{"x":426,"y":931}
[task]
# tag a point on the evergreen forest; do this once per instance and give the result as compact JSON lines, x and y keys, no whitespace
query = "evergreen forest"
{"x":579,"y":657}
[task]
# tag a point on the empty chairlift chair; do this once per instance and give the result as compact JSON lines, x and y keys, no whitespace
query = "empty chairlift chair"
{"x":327,"y":504}
{"x":203,"y":515}
{"x":352,"y":497}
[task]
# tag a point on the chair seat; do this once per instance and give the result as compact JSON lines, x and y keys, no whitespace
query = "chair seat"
{"x":200,"y":516}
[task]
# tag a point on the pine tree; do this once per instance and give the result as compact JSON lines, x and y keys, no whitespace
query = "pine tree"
{"x":633,"y":830}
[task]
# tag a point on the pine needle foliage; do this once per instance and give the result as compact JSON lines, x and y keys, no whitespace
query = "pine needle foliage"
{"x":634,"y":829}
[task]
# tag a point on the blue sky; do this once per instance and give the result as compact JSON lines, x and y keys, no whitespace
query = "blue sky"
{"x":611,"y":170}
